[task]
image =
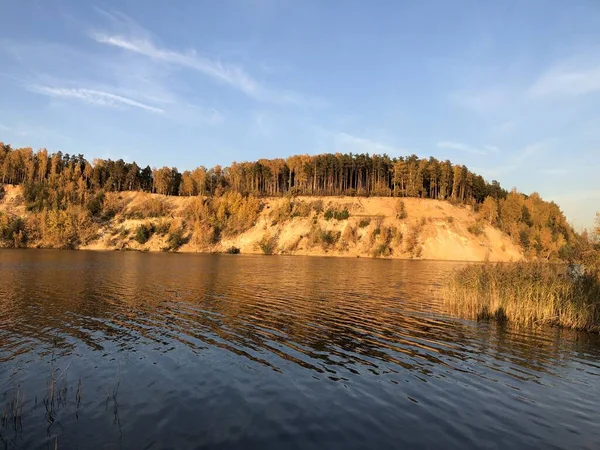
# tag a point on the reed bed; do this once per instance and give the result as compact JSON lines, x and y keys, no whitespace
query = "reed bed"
{"x":526,"y":293}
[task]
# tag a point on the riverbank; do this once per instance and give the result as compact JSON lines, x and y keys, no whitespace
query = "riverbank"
{"x":383,"y":227}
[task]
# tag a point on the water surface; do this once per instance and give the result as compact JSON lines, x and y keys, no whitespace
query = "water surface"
{"x":130,"y":350}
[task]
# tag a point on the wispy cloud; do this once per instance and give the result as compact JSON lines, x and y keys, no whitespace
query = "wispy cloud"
{"x":347,"y":142}
{"x":93,"y":97}
{"x":461,"y":147}
{"x":576,"y":205}
{"x":482,"y":100}
{"x":209,"y":116}
{"x":503,"y":129}
{"x":228,"y":74}
{"x":567,"y":79}
{"x":263,"y":125}
{"x":531,"y":150}
{"x":91,"y":76}
{"x":577,"y":196}
{"x":516,"y":161}
{"x":555,"y":171}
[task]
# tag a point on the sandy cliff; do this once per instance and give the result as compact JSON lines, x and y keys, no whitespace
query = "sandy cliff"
{"x":431,"y":229}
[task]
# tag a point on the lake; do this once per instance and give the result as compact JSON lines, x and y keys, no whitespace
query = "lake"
{"x":147,"y":351}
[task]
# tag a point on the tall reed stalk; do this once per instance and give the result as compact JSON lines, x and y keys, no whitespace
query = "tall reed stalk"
{"x":526,"y":293}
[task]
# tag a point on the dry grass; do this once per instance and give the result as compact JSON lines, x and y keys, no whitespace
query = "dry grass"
{"x":527,"y":294}
{"x":148,"y":208}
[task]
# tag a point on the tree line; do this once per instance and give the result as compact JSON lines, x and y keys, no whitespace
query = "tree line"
{"x":326,"y":174}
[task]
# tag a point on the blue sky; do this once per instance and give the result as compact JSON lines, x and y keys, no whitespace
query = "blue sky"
{"x":509,"y":88}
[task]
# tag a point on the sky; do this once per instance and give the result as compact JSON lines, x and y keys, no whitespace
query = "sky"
{"x":509,"y":88}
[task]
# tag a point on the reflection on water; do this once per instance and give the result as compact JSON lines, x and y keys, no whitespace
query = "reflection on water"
{"x":202,"y":351}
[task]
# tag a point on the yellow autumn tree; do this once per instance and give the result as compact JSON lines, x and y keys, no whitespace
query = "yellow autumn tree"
{"x":489,"y":210}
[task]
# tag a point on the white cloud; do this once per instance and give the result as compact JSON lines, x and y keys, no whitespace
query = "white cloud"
{"x":93,"y":97}
{"x":215,"y":69}
{"x":450,"y":145}
{"x":567,"y":80}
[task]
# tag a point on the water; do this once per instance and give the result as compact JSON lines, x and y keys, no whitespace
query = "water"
{"x":204,"y":351}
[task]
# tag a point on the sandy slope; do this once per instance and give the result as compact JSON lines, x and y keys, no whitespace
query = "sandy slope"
{"x":441,"y":238}
{"x":443,"y":231}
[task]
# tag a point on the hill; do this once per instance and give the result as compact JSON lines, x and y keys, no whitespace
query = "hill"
{"x":353,"y":204}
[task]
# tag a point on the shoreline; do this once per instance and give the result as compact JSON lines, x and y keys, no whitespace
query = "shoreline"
{"x":257,"y":253}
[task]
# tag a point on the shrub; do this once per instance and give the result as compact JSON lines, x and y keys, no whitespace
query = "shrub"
{"x":281,"y":212}
{"x":112,"y":205}
{"x":349,"y":235}
{"x":203,"y":235}
{"x":329,"y":238}
{"x":401,"y":213}
{"x":398,"y":237}
{"x":233,"y":250}
{"x":449,"y":219}
{"x":12,"y":231}
{"x":95,"y":203}
{"x":412,"y":240}
{"x":476,"y":229}
{"x":268,"y":244}
{"x":301,"y":209}
{"x":292,"y":247}
{"x":325,"y":239}
{"x":377,"y":229}
{"x":317,"y":206}
{"x":337,"y":215}
{"x":386,"y":236}
{"x":175,"y":240}
{"x":152,"y":207}
{"x":230,"y":214}
{"x":382,"y":250}
{"x":388,"y":233}
{"x":37,"y":196}
{"x":162,"y":227}
{"x":524,"y":239}
{"x":143,"y":233}
{"x":341,"y":215}
{"x":67,"y":228}
{"x":364,"y":223}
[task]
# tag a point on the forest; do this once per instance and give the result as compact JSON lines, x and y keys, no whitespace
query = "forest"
{"x":327,"y":174}
{"x":59,"y":185}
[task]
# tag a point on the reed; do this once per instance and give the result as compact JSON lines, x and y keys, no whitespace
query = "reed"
{"x":12,"y":412}
{"x":526,"y":293}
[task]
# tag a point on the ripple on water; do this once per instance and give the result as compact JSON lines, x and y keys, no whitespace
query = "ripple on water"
{"x":186,"y":351}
